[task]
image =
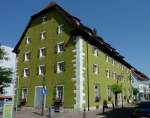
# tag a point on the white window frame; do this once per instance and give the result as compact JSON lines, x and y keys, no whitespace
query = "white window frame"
{"x":114,"y":75}
{"x":95,"y":68}
{"x":106,"y":58}
{"x":58,"y":47}
{"x":28,"y":40}
{"x":57,"y":93}
{"x":43,"y":35}
{"x":58,"y":69}
{"x":22,"y":93}
{"x":109,"y":92}
{"x":60,"y":29}
{"x":24,"y":72}
{"x":95,"y":51}
{"x":40,"y":51}
{"x":39,"y":70}
{"x":107,"y":73}
{"x":98,"y":91}
{"x":26,"y":57}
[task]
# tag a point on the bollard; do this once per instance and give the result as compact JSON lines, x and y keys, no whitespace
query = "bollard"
{"x":103,"y":109}
{"x":113,"y":106}
{"x":84,"y":112}
{"x":51,"y":111}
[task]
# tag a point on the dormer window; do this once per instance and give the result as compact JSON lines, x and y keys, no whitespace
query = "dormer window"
{"x":43,"y":35}
{"x":28,"y":40}
{"x":44,"y":19}
{"x":60,"y":29}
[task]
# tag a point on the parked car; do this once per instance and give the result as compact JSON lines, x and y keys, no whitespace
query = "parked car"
{"x":142,"y":110}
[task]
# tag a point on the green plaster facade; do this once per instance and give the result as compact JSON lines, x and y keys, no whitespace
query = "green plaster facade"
{"x":68,"y":77}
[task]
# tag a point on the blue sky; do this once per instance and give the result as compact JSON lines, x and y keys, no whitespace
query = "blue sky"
{"x":125,"y":24}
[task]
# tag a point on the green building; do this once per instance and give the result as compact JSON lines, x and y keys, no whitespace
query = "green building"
{"x":75,"y":66}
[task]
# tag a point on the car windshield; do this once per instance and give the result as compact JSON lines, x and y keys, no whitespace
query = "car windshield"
{"x":144,"y":105}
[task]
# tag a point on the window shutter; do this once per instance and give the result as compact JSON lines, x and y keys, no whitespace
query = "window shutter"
{"x":64,"y":66}
{"x":55,"y":49}
{"x":44,"y":69}
{"x":45,"y":51}
{"x":64,"y":45}
{"x":55,"y":68}
{"x":30,"y":55}
{"x":98,"y":69}
{"x":93,"y":68}
{"x":23,"y":73}
{"x":37,"y":71}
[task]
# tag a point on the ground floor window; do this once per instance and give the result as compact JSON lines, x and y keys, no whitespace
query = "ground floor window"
{"x":60,"y":92}
{"x":97,"y":92}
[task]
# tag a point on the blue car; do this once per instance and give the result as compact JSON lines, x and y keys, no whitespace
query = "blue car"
{"x":142,"y":110}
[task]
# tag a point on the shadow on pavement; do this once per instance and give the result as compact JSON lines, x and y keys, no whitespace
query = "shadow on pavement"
{"x":117,"y":113}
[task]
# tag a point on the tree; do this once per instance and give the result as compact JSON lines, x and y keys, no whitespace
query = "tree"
{"x":5,"y":73}
{"x":116,"y":89}
{"x":135,"y":92}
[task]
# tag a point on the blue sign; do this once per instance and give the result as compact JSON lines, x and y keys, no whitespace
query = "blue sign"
{"x":44,"y":91}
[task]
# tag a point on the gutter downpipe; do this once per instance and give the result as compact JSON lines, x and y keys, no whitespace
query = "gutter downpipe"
{"x":88,"y":76}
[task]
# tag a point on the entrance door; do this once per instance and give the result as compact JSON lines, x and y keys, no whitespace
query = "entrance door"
{"x":59,"y":92}
{"x":38,"y":97}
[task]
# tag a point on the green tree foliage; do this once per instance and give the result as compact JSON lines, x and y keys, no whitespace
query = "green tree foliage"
{"x":135,"y":91}
{"x":5,"y":73}
{"x":116,"y":89}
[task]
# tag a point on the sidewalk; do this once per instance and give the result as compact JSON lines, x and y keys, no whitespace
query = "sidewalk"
{"x":67,"y":114}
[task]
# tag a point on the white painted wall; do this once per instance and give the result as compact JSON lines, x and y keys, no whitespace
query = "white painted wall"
{"x":11,"y":63}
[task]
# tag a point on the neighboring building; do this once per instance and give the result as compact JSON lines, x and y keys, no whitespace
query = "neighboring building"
{"x":142,"y":83}
{"x":10,"y":63}
{"x":74,"y":64}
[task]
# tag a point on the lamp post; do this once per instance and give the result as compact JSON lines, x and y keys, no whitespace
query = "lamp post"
{"x":43,"y":95}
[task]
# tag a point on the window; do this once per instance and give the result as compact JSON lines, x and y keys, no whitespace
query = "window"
{"x":42,"y":52}
{"x":95,"y":68}
{"x":60,"y":47}
{"x":26,"y":72}
{"x":97,"y":92}
{"x":41,"y":70}
{"x":113,"y":61}
{"x":43,"y":35}
{"x":27,"y":56}
{"x":59,"y":92}
{"x":109,"y":93}
{"x":106,"y":58}
{"x":28,"y":40}
{"x":114,"y":75}
{"x":60,"y":67}
{"x":122,"y":67}
{"x":60,"y":29}
{"x":107,"y":73}
{"x":44,"y":19}
{"x":24,"y":94}
{"x":95,"y":51}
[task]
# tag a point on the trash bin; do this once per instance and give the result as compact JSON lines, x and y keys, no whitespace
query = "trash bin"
{"x":51,"y":111}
